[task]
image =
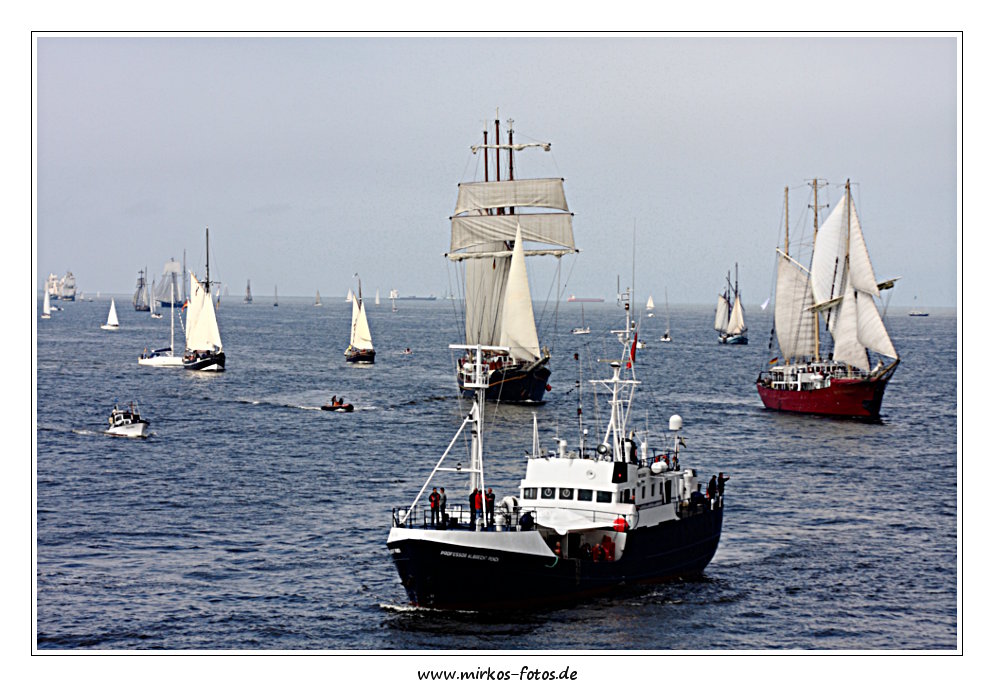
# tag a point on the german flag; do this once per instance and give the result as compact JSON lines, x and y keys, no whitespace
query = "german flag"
{"x":774,"y":361}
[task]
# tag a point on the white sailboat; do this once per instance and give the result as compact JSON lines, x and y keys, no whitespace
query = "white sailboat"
{"x":649,"y":307}
{"x":317,"y":299}
{"x":151,"y":305}
{"x":46,"y":308}
{"x":393,"y":300}
{"x":377,"y":301}
{"x":204,"y":351}
{"x":360,"y":348}
{"x":276,"y":297}
{"x":248,"y":291}
{"x":349,"y":297}
{"x":165,"y":357}
{"x":492,"y":221}
{"x":583,"y":328}
{"x":112,"y":324}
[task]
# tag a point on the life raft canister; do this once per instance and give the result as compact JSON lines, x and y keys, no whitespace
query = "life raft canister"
{"x":620,"y":525}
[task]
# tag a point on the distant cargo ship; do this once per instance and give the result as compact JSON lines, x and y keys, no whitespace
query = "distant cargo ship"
{"x":574,"y":299}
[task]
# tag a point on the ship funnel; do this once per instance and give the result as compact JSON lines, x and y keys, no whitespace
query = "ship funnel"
{"x":676,"y":423}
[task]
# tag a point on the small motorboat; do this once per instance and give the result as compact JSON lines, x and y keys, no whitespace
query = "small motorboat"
{"x":127,"y":422}
{"x":337,"y":406}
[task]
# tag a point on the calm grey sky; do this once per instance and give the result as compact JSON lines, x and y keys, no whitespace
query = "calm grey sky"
{"x":312,"y":158}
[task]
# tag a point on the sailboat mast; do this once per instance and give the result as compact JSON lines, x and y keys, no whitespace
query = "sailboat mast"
{"x":497,"y":154}
{"x":817,"y":318}
{"x":207,"y":240}
{"x":486,"y":156}
{"x":786,"y":222}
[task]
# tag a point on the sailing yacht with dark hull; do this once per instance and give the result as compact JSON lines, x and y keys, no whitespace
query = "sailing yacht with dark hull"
{"x":492,"y":221}
{"x":729,"y":318}
{"x":583,"y":522}
{"x":204,"y":351}
{"x":841,"y":286}
{"x":360,"y":348}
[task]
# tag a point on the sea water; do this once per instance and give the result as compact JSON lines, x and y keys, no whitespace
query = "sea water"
{"x":252,"y":520}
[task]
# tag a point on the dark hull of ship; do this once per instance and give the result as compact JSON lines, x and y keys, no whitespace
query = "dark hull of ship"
{"x":844,"y":398}
{"x":166,"y":304}
{"x":209,"y":362}
{"x":733,"y":339}
{"x":520,"y":383}
{"x":366,"y":356}
{"x":440,"y":575}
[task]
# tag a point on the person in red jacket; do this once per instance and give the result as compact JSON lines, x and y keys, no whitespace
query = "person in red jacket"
{"x":433,"y":502}
{"x":478,"y":506}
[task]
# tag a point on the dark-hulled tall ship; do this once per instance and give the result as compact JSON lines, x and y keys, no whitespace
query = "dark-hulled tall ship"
{"x":583,"y":522}
{"x":840,"y":287}
{"x":493,"y":219}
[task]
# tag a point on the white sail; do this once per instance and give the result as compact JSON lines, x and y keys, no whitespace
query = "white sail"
{"x":361,"y":337}
{"x":349,"y":298}
{"x":112,"y":315}
{"x":845,"y":332}
{"x":650,"y":305}
{"x":317,"y":298}
{"x":555,"y":229}
{"x":870,"y":327}
{"x":46,"y":308}
{"x":202,"y":333}
{"x":485,"y":284}
{"x":518,"y":320}
{"x":377,"y":296}
{"x":860,"y":269}
{"x":828,"y":258}
{"x":736,"y":322}
{"x":721,"y":314}
{"x":168,"y":284}
{"x":794,"y":321}
{"x":535,"y":193}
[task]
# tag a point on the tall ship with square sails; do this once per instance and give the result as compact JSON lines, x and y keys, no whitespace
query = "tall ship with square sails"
{"x":492,"y":222}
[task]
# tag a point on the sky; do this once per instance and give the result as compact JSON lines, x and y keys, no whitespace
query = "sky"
{"x":312,"y":158}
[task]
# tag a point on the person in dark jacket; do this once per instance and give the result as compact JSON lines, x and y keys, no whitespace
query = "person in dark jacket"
{"x":472,"y":508}
{"x":713,"y":488}
{"x":490,"y":506}
{"x":441,"y":504}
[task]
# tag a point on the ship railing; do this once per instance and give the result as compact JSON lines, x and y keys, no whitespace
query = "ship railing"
{"x":688,"y":508}
{"x":458,"y":517}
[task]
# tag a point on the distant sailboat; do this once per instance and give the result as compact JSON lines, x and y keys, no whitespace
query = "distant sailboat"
{"x":915,"y":312}
{"x":729,"y":319}
{"x":276,"y":297}
{"x":666,"y":335}
{"x":317,"y":299}
{"x":377,"y":301}
{"x":172,"y":275}
{"x":360,"y":348}
{"x":46,"y":308}
{"x":164,"y":357}
{"x":248,"y":291}
{"x":142,"y":300}
{"x":349,"y":298}
{"x":650,"y":306}
{"x":151,"y":305}
{"x":204,"y":351}
{"x":583,"y":328}
{"x":393,"y":300}
{"x":112,"y":323}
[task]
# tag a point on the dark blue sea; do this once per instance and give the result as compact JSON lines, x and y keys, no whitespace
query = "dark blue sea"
{"x":251,"y":520}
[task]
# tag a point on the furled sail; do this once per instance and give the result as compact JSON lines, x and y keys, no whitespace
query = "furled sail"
{"x":518,"y":319}
{"x":361,"y":337}
{"x":794,"y":321}
{"x":533,"y":193}
{"x":202,"y":333}
{"x":555,"y":229}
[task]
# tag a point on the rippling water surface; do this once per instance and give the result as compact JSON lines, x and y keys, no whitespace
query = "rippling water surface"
{"x":253,"y":520}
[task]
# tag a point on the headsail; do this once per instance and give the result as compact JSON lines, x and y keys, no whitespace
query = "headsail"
{"x":518,"y":330}
{"x":202,"y":333}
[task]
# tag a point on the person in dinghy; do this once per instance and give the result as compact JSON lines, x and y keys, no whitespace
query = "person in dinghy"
{"x":338,"y":405}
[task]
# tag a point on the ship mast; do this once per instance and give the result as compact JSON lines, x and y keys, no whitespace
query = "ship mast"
{"x":815,"y":207}
{"x":207,"y":284}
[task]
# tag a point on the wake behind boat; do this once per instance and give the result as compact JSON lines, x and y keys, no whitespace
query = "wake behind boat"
{"x":840,"y":286}
{"x":204,"y":351}
{"x":491,"y":222}
{"x":583,"y":522}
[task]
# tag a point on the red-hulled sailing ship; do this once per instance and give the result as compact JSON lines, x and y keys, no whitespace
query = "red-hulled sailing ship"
{"x":840,"y":287}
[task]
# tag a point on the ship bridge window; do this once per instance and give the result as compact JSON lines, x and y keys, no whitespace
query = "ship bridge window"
{"x":529,"y":493}
{"x":548,"y":492}
{"x":584,"y":494}
{"x":604,"y":496}
{"x":565,"y":494}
